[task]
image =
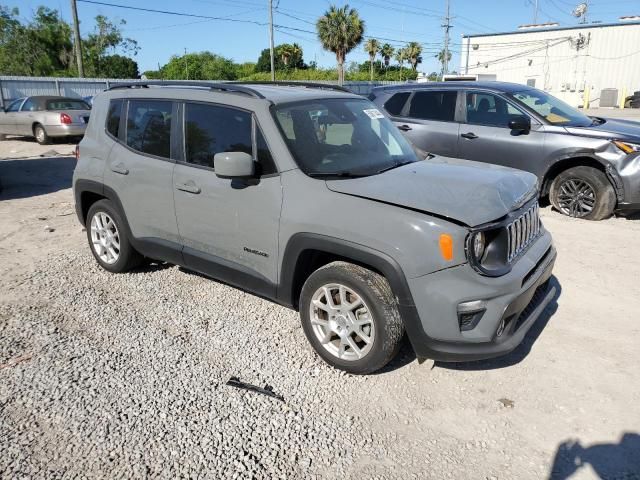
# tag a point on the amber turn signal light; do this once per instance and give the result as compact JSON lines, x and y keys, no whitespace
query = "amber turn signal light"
{"x":446,"y":246}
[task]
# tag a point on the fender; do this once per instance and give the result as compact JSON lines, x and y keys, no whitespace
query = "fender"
{"x":380,"y":261}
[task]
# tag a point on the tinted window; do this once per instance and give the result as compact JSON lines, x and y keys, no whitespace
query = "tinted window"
{"x":67,"y":105}
{"x":433,"y":106}
{"x":149,"y":127}
{"x":489,"y":109}
{"x":113,"y":117}
{"x":265,"y":160}
{"x":211,"y":129}
{"x":29,"y":106}
{"x":15,"y":106}
{"x":396,"y":103}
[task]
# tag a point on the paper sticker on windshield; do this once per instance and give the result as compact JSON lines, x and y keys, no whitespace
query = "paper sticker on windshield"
{"x":373,"y":113}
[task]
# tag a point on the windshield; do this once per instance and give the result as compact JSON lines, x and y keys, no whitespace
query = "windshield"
{"x":553,"y":110}
{"x":67,"y":105}
{"x":342,"y":137}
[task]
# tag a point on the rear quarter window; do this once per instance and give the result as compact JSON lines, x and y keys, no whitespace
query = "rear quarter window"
{"x":113,"y":117}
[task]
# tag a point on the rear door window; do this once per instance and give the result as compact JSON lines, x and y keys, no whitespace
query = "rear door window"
{"x":149,"y":127}
{"x":433,"y":105}
{"x":396,"y":103}
{"x":15,"y":105}
{"x":29,"y":106}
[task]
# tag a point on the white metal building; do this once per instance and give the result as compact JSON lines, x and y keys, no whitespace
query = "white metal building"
{"x":591,"y":64}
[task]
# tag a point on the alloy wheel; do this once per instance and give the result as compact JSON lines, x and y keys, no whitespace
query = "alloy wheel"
{"x":105,"y":238}
{"x":342,"y":322}
{"x":576,"y":197}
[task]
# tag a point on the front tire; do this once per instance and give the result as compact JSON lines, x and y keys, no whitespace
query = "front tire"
{"x":41,"y":135}
{"x":350,"y":317}
{"x":108,"y":239}
{"x":583,"y":192}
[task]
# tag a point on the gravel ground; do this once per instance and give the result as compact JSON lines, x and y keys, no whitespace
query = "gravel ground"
{"x":118,"y":376}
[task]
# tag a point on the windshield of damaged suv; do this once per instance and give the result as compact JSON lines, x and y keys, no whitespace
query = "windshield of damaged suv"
{"x":338,"y":137}
{"x":553,"y":110}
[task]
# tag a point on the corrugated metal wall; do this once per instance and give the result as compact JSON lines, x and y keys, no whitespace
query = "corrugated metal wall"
{"x":563,"y":62}
{"x":16,"y":87}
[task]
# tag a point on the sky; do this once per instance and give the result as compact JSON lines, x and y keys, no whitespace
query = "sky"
{"x":244,"y":32}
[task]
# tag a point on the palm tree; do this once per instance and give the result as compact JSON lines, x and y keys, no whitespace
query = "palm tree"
{"x":440,"y":56}
{"x":372,"y":47}
{"x":387,"y":52}
{"x":340,"y":30}
{"x":401,"y":55}
{"x":285,"y":52}
{"x":414,"y":50}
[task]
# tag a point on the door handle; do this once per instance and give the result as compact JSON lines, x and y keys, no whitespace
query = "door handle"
{"x":404,"y":128}
{"x":189,"y":187}
{"x":469,"y":135}
{"x":120,"y":168}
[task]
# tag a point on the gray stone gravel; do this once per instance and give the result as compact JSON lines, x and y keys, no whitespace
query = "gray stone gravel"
{"x":127,"y":379}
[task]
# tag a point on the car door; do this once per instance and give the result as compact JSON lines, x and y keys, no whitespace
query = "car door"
{"x":140,"y":171}
{"x":229,"y":228}
{"x":485,"y":135}
{"x":25,"y":118}
{"x":428,"y":120}
{"x":8,"y":118}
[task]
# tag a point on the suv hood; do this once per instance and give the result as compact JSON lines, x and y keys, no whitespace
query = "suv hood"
{"x":469,"y":192}
{"x":611,"y":128}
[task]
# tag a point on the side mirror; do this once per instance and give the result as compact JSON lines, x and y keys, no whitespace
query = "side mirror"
{"x":520,"y":123}
{"x":233,"y":165}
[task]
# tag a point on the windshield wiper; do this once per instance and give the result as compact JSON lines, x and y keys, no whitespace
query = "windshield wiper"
{"x":344,"y":174}
{"x":395,"y":165}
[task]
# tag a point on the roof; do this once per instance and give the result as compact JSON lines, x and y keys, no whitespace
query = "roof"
{"x":554,"y":29}
{"x":487,"y":85}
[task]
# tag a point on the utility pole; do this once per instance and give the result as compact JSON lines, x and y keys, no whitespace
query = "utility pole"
{"x":186,"y":64}
{"x":535,"y":12}
{"x":447,"y":26}
{"x":273,"y":68}
{"x":76,"y":38}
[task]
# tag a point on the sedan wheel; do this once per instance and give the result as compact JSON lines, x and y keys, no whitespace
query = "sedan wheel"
{"x":41,"y":135}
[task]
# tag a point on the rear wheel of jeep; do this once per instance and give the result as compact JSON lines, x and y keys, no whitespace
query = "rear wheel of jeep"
{"x":583,"y":192}
{"x":108,"y":239}
{"x":350,"y":317}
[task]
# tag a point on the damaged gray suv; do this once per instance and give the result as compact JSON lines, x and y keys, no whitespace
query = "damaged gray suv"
{"x":311,"y":197}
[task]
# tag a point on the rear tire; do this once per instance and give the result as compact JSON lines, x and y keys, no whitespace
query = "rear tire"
{"x":583,"y":192}
{"x":41,"y":135}
{"x":108,"y":239}
{"x":357,"y":326}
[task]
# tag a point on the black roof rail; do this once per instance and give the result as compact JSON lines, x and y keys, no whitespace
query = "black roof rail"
{"x":285,"y":83}
{"x":220,"y":86}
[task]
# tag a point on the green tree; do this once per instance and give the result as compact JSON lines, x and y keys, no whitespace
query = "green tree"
{"x":295,"y":58}
{"x":414,"y":52}
{"x":119,"y":66}
{"x":387,"y":52}
{"x":372,"y":47}
{"x":340,"y":30}
{"x":441,"y":55}
{"x":401,"y":56}
{"x":199,"y":66}
{"x":103,"y":42}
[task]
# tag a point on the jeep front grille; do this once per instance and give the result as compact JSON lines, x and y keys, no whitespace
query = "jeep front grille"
{"x":522,"y":231}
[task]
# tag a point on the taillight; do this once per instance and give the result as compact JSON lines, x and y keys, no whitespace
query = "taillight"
{"x":66,"y":119}
{"x":77,"y":152}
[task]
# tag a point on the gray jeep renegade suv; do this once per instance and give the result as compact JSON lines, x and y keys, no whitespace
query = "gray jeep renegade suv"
{"x":312,"y":198}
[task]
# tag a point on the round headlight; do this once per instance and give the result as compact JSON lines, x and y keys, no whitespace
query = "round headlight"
{"x":478,"y":246}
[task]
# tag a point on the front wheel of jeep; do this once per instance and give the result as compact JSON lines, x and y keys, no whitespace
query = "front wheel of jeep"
{"x":583,"y":192}
{"x":350,"y":317}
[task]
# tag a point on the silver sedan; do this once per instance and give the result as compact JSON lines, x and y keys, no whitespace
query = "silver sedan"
{"x":45,"y":117}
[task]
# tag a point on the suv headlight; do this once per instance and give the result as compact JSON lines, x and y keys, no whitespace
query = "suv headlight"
{"x":627,"y":147}
{"x":487,"y":251}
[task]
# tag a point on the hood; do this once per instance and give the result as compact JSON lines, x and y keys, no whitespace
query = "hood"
{"x":611,"y":128}
{"x":469,"y":192}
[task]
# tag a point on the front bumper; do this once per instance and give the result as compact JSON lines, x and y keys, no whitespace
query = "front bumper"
{"x":513,"y":304}
{"x":71,"y":130}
